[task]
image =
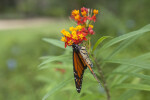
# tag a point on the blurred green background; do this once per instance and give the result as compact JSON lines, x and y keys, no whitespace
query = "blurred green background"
{"x":23,"y":24}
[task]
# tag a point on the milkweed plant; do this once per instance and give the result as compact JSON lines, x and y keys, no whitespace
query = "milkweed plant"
{"x":101,"y":57}
{"x":81,"y":34}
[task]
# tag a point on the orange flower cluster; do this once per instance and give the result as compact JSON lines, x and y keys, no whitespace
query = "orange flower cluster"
{"x":84,"y":16}
{"x":77,"y":34}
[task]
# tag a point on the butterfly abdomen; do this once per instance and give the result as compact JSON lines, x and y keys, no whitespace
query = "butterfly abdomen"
{"x":85,"y":56}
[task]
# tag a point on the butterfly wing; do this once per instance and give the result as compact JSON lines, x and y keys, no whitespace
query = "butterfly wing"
{"x":79,"y":67}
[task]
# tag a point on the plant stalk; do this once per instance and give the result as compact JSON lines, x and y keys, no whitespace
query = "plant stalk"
{"x":102,"y":77}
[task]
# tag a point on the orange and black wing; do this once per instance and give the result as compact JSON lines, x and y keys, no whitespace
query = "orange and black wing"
{"x":79,"y":66}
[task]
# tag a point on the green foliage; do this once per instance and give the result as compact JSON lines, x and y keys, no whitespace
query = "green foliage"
{"x":133,"y":86}
{"x":100,"y":40}
{"x":20,"y":50}
{"x":58,"y":87}
{"x":125,"y":73}
{"x":56,"y":43}
{"x":127,"y":36}
{"x":127,"y":95}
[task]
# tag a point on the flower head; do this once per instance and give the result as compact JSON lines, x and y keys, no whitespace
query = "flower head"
{"x":91,"y":26}
{"x":72,"y":28}
{"x":77,"y":17}
{"x":63,"y":39}
{"x":70,"y":42}
{"x":83,"y":13}
{"x":75,"y":12}
{"x":84,"y":16}
{"x":95,"y":11}
{"x":78,"y":34}
{"x":81,"y":36}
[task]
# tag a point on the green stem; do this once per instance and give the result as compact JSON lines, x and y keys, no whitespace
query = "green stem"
{"x":102,"y":77}
{"x":89,"y":45}
{"x":99,"y":70}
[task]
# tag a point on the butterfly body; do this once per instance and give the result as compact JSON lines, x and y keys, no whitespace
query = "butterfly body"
{"x":85,"y":56}
{"x":81,"y":61}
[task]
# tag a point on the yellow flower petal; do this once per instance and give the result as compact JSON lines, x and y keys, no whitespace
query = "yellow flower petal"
{"x":91,"y":26}
{"x":74,"y":35}
{"x":63,"y":31}
{"x":74,"y":32}
{"x":77,"y":17}
{"x":81,"y":36}
{"x":79,"y":27}
{"x":67,"y":34}
{"x":83,"y":13}
{"x":63,"y":39}
{"x":75,"y":12}
{"x":70,"y":42}
{"x":95,"y":11}
{"x":71,"y":28}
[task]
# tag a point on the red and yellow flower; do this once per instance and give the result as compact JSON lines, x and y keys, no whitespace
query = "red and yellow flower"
{"x":78,"y":34}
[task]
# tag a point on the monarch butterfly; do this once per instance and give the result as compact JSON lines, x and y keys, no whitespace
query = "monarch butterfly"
{"x":81,"y":61}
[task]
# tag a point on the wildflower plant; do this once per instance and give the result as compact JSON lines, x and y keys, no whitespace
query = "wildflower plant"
{"x":115,"y":79}
{"x":81,"y":33}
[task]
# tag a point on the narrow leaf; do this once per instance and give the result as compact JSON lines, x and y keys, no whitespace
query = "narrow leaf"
{"x":59,"y":86}
{"x":133,"y":74}
{"x":54,"y":58}
{"x":122,"y":46}
{"x":127,"y":95}
{"x":143,"y":56}
{"x":127,"y":36}
{"x":100,"y":40}
{"x":45,"y":57}
{"x":57,"y":43}
{"x":131,"y":63}
{"x":133,"y":86}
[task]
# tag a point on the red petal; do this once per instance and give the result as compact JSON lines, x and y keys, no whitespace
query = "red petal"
{"x":65,"y":44}
{"x":84,"y":38}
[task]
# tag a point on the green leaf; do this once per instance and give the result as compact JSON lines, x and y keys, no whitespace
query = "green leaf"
{"x":133,"y":74}
{"x":130,"y":35}
{"x":140,"y":58}
{"x":58,"y":87}
{"x":127,"y":36}
{"x":144,"y":56}
{"x":127,"y":69}
{"x":127,"y":95}
{"x":122,"y":46}
{"x":57,"y":43}
{"x":118,"y":79}
{"x":131,"y":63}
{"x":100,"y":40}
{"x":45,"y":57}
{"x":133,"y":86}
{"x":54,"y":58}
{"x":55,"y":65}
